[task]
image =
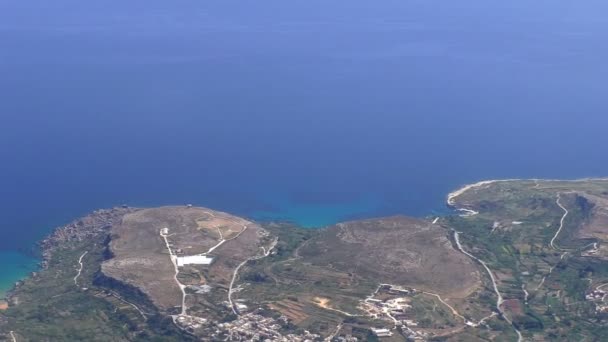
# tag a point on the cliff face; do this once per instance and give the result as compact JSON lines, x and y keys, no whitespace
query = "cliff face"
{"x":123,"y":291}
{"x":70,"y":299}
{"x":91,"y":226}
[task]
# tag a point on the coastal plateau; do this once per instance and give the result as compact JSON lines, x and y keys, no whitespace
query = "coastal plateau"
{"x":517,"y":260}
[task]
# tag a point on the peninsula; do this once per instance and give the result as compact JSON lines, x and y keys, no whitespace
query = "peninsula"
{"x":518,"y":260}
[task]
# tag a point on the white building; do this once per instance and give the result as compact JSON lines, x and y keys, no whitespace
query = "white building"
{"x":382,"y":332}
{"x":194,"y":260}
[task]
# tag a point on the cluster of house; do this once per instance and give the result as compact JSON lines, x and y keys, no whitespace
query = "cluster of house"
{"x":598,"y":296}
{"x":190,"y":323}
{"x":248,"y":327}
{"x":254,"y":327}
{"x":394,"y":308}
{"x":382,"y":332}
{"x":347,"y":338}
{"x":407,"y":331}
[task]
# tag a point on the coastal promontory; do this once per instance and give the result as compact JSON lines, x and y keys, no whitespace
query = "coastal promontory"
{"x":516,"y":260}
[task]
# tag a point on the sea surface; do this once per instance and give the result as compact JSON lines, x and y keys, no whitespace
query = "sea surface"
{"x":307,"y":110}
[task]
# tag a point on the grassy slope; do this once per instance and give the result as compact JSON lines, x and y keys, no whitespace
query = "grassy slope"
{"x":520,"y":254}
{"x":52,"y":308}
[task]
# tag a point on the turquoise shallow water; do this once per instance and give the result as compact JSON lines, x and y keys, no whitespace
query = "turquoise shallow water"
{"x":15,"y":266}
{"x":316,"y":215}
{"x":149,"y":103}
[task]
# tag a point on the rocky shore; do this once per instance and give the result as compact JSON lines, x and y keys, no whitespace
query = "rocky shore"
{"x":94,"y":224}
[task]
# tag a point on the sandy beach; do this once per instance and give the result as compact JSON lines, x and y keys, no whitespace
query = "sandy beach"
{"x":454,"y":194}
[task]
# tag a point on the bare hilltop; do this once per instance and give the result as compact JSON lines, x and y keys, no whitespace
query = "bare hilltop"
{"x":517,"y":260}
{"x":144,"y":257}
{"x":397,"y":250}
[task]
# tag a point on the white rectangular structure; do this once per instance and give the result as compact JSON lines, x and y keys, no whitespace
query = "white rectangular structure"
{"x":382,"y":332}
{"x":194,"y":260}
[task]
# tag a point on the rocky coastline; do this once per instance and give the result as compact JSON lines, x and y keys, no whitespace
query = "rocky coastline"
{"x":92,"y":225}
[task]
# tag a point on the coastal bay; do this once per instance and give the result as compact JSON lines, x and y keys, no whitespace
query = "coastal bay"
{"x":314,"y":116}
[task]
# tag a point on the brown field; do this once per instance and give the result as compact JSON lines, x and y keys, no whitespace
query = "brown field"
{"x":292,"y":310}
{"x":141,"y":257}
{"x":396,"y":250}
{"x":514,"y":306}
{"x":215,"y":223}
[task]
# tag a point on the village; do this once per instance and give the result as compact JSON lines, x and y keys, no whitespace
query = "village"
{"x":255,"y":327}
{"x":392,"y":302}
{"x":598,"y":296}
{"x":251,"y":326}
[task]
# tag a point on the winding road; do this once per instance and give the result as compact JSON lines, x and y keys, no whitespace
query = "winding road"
{"x":552,"y":242}
{"x":174,"y":262}
{"x":173,"y":257}
{"x":454,"y":312}
{"x":79,"y":269}
{"x":115,"y":295}
{"x":499,"y":300}
{"x":457,"y":314}
{"x":561,"y":222}
{"x":265,"y":253}
{"x":600,"y":287}
{"x":13,"y":336}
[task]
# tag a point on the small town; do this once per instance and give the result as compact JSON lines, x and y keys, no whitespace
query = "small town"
{"x":394,"y":309}
{"x":598,"y":297}
{"x":255,"y":327}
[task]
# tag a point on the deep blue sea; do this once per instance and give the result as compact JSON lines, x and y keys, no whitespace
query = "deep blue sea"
{"x":308,"y":110}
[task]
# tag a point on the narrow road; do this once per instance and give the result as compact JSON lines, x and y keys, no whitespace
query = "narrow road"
{"x":79,"y":269}
{"x":500,"y":299}
{"x":561,"y":222}
{"x":222,"y":240}
{"x":13,"y":336}
{"x":266,"y":252}
{"x":600,"y":287}
{"x":552,"y":242}
{"x":115,"y":295}
{"x":446,"y":304}
{"x":456,"y":313}
{"x":348,"y":314}
{"x":331,"y":337}
{"x":174,"y":262}
{"x":542,"y":282}
{"x":216,"y":246}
